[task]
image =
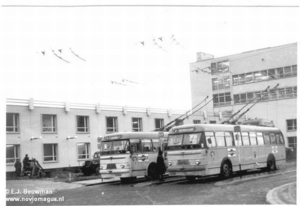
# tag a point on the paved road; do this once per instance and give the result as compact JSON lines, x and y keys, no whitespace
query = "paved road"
{"x":199,"y":192}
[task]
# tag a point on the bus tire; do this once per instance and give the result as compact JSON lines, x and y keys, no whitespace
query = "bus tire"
{"x":190,"y":178}
{"x":226,"y":169}
{"x":271,"y":163}
{"x":152,"y":172}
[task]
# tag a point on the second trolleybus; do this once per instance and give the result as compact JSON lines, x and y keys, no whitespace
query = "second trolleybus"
{"x":217,"y":149}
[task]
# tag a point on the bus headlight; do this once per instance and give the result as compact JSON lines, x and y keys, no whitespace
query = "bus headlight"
{"x":198,"y":162}
{"x":122,"y":166}
{"x":170,"y":163}
{"x":101,"y":167}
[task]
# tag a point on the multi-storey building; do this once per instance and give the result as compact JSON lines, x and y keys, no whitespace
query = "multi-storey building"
{"x":64,"y":135}
{"x":236,"y":80}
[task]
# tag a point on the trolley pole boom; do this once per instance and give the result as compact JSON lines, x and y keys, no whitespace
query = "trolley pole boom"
{"x":274,"y":88}
{"x":164,"y":127}
{"x":228,"y":120}
{"x":180,"y":120}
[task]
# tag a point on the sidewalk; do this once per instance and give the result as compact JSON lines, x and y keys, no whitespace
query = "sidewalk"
{"x":285,"y":194}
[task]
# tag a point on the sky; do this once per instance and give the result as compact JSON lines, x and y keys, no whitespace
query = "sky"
{"x":134,"y":56}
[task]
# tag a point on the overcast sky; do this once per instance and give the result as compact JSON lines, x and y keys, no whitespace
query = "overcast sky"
{"x":107,"y":42}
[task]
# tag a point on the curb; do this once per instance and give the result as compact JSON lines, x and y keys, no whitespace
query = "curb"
{"x":272,"y":197}
{"x":249,"y":179}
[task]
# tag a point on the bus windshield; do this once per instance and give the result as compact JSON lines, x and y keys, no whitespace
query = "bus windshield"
{"x":186,"y":141}
{"x":114,"y":147}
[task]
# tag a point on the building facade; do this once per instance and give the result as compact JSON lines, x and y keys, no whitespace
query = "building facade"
{"x":236,"y":80}
{"x":64,"y":135}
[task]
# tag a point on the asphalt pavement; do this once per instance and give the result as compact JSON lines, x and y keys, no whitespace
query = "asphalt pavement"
{"x":285,"y":194}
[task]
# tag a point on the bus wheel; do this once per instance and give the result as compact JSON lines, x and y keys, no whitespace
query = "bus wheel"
{"x":271,"y":164}
{"x":226,"y":169}
{"x":152,"y":173}
{"x":190,"y":178}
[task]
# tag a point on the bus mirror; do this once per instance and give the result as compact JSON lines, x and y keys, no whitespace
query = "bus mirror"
{"x":209,"y":140}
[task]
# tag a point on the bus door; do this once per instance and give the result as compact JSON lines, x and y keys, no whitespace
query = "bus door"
{"x":136,"y":153}
{"x":142,"y":155}
{"x":255,"y":150}
{"x":261,"y":150}
{"x":238,"y":143}
{"x":246,"y":152}
{"x":232,"y":150}
{"x":212,"y":153}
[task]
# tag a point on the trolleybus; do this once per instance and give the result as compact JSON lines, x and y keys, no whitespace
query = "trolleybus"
{"x":130,"y":154}
{"x":212,"y":149}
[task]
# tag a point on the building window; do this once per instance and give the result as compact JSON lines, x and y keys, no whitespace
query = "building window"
{"x":83,"y":150}
{"x":12,"y":123}
{"x":49,"y":123}
{"x":220,"y":67}
{"x":264,"y":75}
{"x":221,"y":83}
{"x":159,"y":123}
{"x":212,"y":122}
{"x":196,"y":121}
{"x":294,"y":70}
{"x":291,"y":124}
{"x":137,"y":124}
{"x":292,"y":142}
{"x":82,"y":124}
{"x":12,"y":153}
{"x":280,"y":93}
{"x":111,"y":124}
{"x":222,"y":99}
{"x":50,"y":152}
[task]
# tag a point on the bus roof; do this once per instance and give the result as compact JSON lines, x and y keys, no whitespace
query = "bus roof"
{"x":219,"y":127}
{"x":132,"y":135}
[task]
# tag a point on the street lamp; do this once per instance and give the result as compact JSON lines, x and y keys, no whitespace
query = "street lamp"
{"x":34,"y":138}
{"x":71,"y":137}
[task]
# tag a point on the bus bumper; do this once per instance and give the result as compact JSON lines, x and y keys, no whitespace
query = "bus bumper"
{"x":115,"y":173}
{"x":187,"y":171}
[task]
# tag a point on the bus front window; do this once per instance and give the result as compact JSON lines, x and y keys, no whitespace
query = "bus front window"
{"x":114,"y":147}
{"x":193,"y":141}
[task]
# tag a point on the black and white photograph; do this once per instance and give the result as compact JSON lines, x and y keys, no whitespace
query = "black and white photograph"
{"x":149,"y":102}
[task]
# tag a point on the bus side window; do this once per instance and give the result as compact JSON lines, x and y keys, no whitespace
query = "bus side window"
{"x":267,"y":138}
{"x":147,"y":145}
{"x":260,"y":139}
{"x":238,"y":139}
{"x":155,"y":143}
{"x":272,"y":137}
{"x":245,"y":137}
{"x":210,"y":139}
{"x":135,"y":145}
{"x":281,"y":138}
{"x":229,"y":139}
{"x":278,"y":139}
{"x":253,"y":138}
{"x":220,"y":139}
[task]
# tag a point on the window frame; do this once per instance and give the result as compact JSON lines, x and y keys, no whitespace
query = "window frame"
{"x":86,"y":122}
{"x":53,"y":122}
{"x":115,"y":124}
{"x":140,"y":124}
{"x":54,"y":156}
{"x":87,"y":148}
{"x":16,"y":120}
{"x":161,"y":122}
{"x":16,"y":148}
{"x":293,"y":127}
